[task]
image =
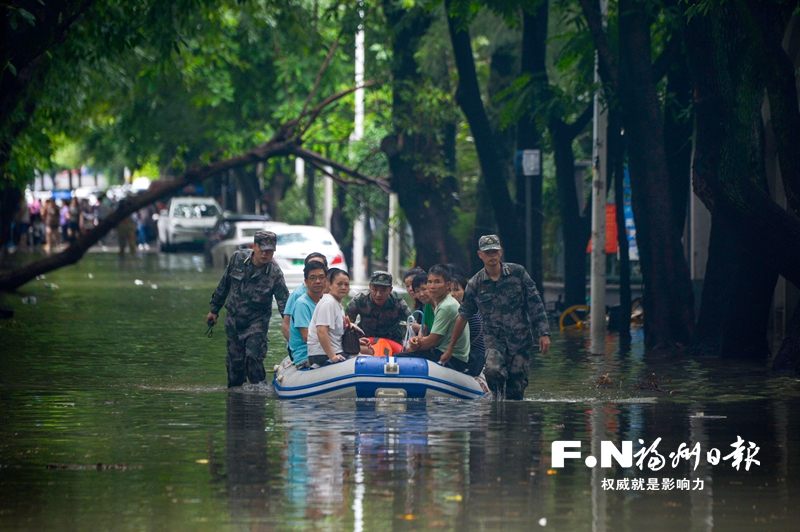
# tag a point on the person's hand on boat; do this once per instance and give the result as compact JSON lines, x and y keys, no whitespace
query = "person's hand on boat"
{"x":413,"y":343}
{"x":337,"y":358}
{"x":544,"y":344}
{"x":445,"y":358}
{"x":211,"y":319}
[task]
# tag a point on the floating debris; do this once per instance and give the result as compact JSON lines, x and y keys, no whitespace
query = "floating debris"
{"x":604,"y":380}
{"x":543,"y":521}
{"x":154,"y":286}
{"x":51,"y":286}
{"x":90,"y":276}
{"x":40,"y":277}
{"x":652,"y":381}
{"x":138,"y":282}
{"x":30,"y":300}
{"x":97,"y":467}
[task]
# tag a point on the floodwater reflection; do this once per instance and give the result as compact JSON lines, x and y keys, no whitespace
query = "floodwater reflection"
{"x":114,"y":416}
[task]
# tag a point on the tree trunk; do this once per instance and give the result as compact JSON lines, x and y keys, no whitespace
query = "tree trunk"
{"x":9,"y":205}
{"x":340,"y":226}
{"x":668,"y":298}
{"x":311,"y":196}
{"x":427,"y":199}
{"x":529,"y":134}
{"x":678,"y":131}
{"x":493,"y":169}
{"x":576,"y":225}
{"x":753,"y":238}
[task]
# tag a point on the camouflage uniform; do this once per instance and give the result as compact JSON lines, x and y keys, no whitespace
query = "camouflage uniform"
{"x":511,"y":308}
{"x":249,"y":307}
{"x":381,"y":322}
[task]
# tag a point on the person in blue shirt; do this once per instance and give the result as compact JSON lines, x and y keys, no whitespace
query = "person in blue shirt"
{"x":295,"y":295}
{"x":315,"y":274}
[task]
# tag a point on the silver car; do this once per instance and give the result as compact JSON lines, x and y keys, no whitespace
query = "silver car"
{"x":239,"y":236}
{"x":185,"y":221}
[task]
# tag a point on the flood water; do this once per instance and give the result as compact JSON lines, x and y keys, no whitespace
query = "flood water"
{"x":114,"y":416}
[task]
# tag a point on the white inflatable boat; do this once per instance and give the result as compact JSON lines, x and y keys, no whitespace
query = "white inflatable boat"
{"x":381,"y":377}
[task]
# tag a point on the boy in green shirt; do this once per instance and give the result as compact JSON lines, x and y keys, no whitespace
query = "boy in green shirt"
{"x":445,"y":313}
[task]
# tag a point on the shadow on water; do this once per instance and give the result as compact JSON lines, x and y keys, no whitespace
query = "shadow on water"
{"x":114,"y":416}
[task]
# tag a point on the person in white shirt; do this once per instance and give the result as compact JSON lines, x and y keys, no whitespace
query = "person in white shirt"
{"x":328,"y":322}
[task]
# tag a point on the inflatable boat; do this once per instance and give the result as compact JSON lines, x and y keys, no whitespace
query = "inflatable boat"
{"x":379,"y":377}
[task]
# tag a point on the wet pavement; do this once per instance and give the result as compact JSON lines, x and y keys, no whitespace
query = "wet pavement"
{"x":114,"y":416}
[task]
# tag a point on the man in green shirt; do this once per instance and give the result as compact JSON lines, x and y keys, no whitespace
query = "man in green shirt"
{"x":445,"y":313}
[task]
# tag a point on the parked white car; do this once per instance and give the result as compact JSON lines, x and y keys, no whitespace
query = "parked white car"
{"x":239,"y":236}
{"x":295,"y":242}
{"x":185,"y":221}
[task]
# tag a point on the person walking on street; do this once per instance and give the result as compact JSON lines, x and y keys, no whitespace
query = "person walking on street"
{"x":512,"y":312}
{"x":52,"y":223}
{"x":249,"y":284}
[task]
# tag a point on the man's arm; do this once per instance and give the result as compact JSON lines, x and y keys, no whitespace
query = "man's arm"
{"x":285,"y":326}
{"x":280,"y":291}
{"x":423,"y":343}
{"x":325,"y":342}
{"x":304,"y":333}
{"x":352,"y":309}
{"x":221,"y":293}
{"x":537,"y":313}
{"x":458,"y":330}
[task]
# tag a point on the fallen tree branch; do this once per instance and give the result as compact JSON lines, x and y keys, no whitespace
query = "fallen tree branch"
{"x":281,"y":145}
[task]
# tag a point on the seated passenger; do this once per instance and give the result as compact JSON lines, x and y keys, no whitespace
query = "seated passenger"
{"x":316,"y":282}
{"x":408,"y":279}
{"x":477,"y":350}
{"x":420,"y":286}
{"x":327,"y":324}
{"x":295,"y":295}
{"x":381,"y":310}
{"x":445,"y":313}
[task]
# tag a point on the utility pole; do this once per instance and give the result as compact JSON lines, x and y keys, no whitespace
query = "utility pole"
{"x":357,"y":268}
{"x":597,"y":312}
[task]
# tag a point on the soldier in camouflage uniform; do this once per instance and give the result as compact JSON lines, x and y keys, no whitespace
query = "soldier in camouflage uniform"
{"x":512,"y":312}
{"x":381,"y":310}
{"x":252,"y":279}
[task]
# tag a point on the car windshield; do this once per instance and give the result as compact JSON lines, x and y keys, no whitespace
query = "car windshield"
{"x":248,"y":232}
{"x":299,"y":238}
{"x":195,"y":210}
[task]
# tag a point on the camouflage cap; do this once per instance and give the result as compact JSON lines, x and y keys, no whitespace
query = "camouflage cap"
{"x":380,"y":278}
{"x":265,"y":240}
{"x":489,"y":242}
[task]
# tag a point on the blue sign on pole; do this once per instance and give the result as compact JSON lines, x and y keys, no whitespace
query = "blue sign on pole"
{"x":627,"y":209}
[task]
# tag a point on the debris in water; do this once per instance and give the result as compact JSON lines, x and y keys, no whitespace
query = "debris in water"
{"x":138,"y":282}
{"x":604,"y":380}
{"x":543,"y":521}
{"x":154,"y":286}
{"x":51,"y":286}
{"x":30,"y":300}
{"x":97,"y":467}
{"x":652,"y":382}
{"x":90,"y":276}
{"x":40,"y":277}
{"x":201,"y":461}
